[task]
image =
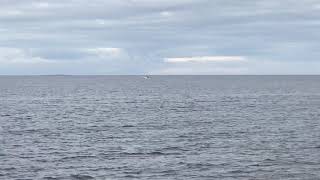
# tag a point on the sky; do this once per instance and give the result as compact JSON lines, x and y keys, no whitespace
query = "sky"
{"x":165,"y":37}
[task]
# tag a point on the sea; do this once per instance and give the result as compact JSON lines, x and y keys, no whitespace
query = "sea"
{"x":162,"y":127}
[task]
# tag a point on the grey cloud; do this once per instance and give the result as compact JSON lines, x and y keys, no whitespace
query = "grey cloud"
{"x":150,"y":30}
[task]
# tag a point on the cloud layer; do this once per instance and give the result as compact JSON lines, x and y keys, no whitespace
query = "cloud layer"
{"x":159,"y":37}
{"x":205,"y":59}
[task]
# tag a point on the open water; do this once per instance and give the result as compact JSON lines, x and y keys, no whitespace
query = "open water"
{"x":166,"y":127}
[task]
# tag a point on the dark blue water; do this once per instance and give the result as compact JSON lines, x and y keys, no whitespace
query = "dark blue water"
{"x":166,"y":127}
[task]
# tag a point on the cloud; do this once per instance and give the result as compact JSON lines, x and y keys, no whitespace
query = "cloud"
{"x":9,"y":55}
{"x":166,"y":14}
{"x":200,"y":71}
{"x":105,"y":52}
{"x":204,"y":65}
{"x":10,"y":13}
{"x":162,"y":3}
{"x":40,"y":5}
{"x":91,"y":61}
{"x":95,"y":34}
{"x":252,"y":67}
{"x":204,"y":59}
{"x":15,"y":56}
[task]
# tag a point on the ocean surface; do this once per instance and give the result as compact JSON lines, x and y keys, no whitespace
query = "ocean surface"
{"x":166,"y":127}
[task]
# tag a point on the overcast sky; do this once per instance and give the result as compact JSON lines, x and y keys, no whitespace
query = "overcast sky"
{"x":159,"y":37}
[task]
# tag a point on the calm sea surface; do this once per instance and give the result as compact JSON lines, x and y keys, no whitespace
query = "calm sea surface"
{"x":166,"y":127}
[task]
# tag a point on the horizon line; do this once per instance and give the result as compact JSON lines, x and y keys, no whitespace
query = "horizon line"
{"x":159,"y":74}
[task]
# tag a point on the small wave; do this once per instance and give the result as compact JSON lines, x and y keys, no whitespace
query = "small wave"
{"x":50,"y":178}
{"x":204,"y":101}
{"x":237,"y":171}
{"x":8,"y":169}
{"x":179,"y":110}
{"x":173,"y":148}
{"x":26,"y":157}
{"x":130,"y":102}
{"x":130,"y":176}
{"x":256,"y":165}
{"x":127,"y":126}
{"x":81,"y":177}
{"x":268,"y":160}
{"x":23,"y":131}
{"x":154,"y":153}
{"x":168,"y":172}
{"x":199,"y":166}
{"x":77,"y":157}
{"x":133,"y":172}
{"x":132,"y":154}
{"x":183,"y":136}
{"x":28,"y":117}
